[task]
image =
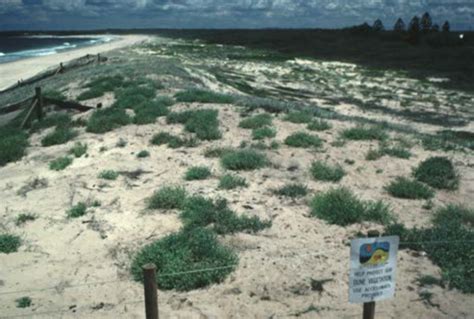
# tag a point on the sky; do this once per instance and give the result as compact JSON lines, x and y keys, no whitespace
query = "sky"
{"x":95,"y":14}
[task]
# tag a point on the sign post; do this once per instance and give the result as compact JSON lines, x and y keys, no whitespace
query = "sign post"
{"x":372,"y":273}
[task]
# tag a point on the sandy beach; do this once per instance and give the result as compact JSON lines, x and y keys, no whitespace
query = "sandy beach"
{"x":23,"y":69}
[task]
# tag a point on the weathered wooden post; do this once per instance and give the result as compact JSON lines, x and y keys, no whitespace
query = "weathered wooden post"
{"x":39,"y":106}
{"x":98,"y":58}
{"x":151,"y":291}
{"x":369,"y":307}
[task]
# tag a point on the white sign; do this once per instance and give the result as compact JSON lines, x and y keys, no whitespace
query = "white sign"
{"x":373,"y":267}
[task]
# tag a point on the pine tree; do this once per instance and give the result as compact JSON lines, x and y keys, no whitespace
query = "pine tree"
{"x":399,"y":25}
{"x":426,"y":22}
{"x":378,"y":25}
{"x":446,"y":27}
{"x":414,"y":26}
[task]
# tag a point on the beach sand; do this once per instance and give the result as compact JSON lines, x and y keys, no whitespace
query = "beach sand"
{"x":23,"y":69}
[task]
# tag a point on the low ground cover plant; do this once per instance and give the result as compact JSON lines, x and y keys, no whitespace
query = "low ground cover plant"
{"x":9,"y":243}
{"x":319,"y":125}
{"x":214,"y":152}
{"x":143,"y":154}
{"x":23,"y":302}
{"x":60,"y":135}
{"x":256,"y":121}
{"x":204,"y":123}
{"x":108,"y":175}
{"x":185,"y":251}
{"x":293,"y":190}
{"x":148,"y":111}
{"x":229,"y":181}
{"x":203,"y":96}
{"x":173,"y":141}
{"x":245,"y":160}
{"x":168,"y":197}
{"x":78,"y":210}
{"x":197,"y":173}
{"x":13,"y":144}
{"x":340,"y":206}
{"x":438,"y":172}
{"x":403,"y":187}
{"x":98,"y":87}
{"x":453,"y":232}
{"x":78,"y":149}
{"x":298,"y":117}
{"x":24,"y":218}
{"x":263,"y":133}
{"x":108,"y":119}
{"x":303,"y":140}
{"x":324,"y":172}
{"x":361,"y":133}
{"x":60,"y":163}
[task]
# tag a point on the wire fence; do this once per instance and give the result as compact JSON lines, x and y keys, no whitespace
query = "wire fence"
{"x":59,"y":288}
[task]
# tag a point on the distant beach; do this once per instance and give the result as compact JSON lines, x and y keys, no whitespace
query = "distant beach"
{"x":35,"y":60}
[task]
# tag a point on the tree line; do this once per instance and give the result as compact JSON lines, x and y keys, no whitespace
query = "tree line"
{"x":416,"y":25}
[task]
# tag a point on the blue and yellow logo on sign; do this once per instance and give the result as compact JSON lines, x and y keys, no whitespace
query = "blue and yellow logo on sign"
{"x":374,"y":254}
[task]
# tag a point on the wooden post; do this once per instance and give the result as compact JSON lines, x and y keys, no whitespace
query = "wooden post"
{"x":98,"y":58}
{"x":39,"y":107}
{"x":369,"y":307}
{"x":151,"y":291}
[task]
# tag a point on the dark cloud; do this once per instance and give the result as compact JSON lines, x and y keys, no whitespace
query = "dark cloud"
{"x":86,"y":14}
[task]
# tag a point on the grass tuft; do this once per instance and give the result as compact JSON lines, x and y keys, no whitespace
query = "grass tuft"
{"x":168,"y":198}
{"x":78,"y":210}
{"x":78,"y":149}
{"x":149,"y":111}
{"x":24,"y":218}
{"x":216,"y":152}
{"x":304,"y":140}
{"x":60,"y":163}
{"x":292,"y":190}
{"x":229,"y":181}
{"x":319,"y":125}
{"x":183,"y":252}
{"x":197,"y":173}
{"x":108,"y":119}
{"x":173,"y":141}
{"x":99,"y":86}
{"x":325,"y":172}
{"x":61,"y":135}
{"x":204,"y":123}
{"x":23,"y":302}
{"x":108,"y":175}
{"x":403,"y":187}
{"x":243,"y":160}
{"x":298,"y":117}
{"x":143,"y":154}
{"x":341,"y":207}
{"x":263,"y":133}
{"x":361,"y":133}
{"x":9,"y":243}
{"x":13,"y":144}
{"x":438,"y":172}
{"x":203,"y":96}
{"x":256,"y":121}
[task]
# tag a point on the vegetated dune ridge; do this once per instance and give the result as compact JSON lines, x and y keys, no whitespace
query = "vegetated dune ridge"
{"x":85,"y":261}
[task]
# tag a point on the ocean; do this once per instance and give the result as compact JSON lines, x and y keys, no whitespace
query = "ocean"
{"x":13,"y":48}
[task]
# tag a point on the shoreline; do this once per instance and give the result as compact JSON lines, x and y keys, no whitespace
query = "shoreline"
{"x":23,"y":69}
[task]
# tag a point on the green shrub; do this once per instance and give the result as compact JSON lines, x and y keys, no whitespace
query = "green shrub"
{"x":133,"y":95}
{"x":108,"y":119}
{"x":109,"y":175}
{"x":197,"y":173}
{"x":99,"y":86}
{"x":319,"y":125}
{"x":428,"y":280}
{"x":229,"y":181}
{"x":23,"y":302}
{"x":325,"y":172}
{"x":13,"y":143}
{"x":78,"y":149}
{"x":398,"y":152}
{"x":203,"y":96}
{"x":365,"y":133}
{"x":373,"y":155}
{"x":217,"y":151}
{"x":23,"y":218}
{"x":201,"y":212}
{"x":168,"y":198}
{"x":256,"y":121}
{"x":148,"y":112}
{"x":60,"y":163}
{"x":143,"y":154}
{"x":263,"y":132}
{"x":53,"y":94}
{"x":55,"y":119}
{"x":202,"y":122}
{"x":186,"y":251}
{"x":61,"y":135}
{"x":243,"y":160}
{"x":339,"y":206}
{"x":173,"y":141}
{"x":9,"y":243}
{"x":448,"y":243}
{"x":301,"y":139}
{"x":292,"y":190}
{"x":298,"y":117}
{"x":80,"y":209}
{"x":403,"y":187}
{"x":438,"y":172}
{"x":178,"y":117}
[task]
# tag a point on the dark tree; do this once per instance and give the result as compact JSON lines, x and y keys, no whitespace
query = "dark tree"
{"x":378,"y":25}
{"x":435,"y":28}
{"x":426,"y":23}
{"x":399,"y":25}
{"x":414,"y":26}
{"x":446,"y":27}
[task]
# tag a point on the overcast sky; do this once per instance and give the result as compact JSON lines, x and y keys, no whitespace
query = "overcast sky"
{"x":91,"y":14}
